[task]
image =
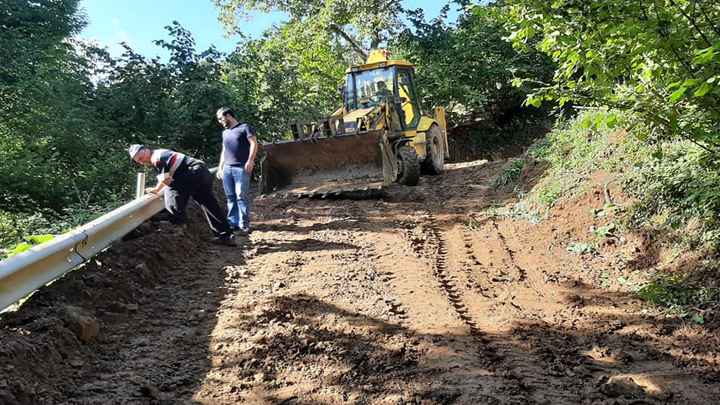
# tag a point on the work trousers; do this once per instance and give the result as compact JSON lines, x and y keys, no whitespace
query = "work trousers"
{"x":196,"y":182}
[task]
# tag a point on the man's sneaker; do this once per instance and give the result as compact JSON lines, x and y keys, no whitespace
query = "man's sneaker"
{"x":242,"y":231}
{"x":224,"y":240}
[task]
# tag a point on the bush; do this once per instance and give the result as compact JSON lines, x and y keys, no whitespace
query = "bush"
{"x":673,"y":182}
{"x":677,"y":188}
{"x":511,"y":173}
{"x":574,"y":149}
{"x":16,"y":230}
{"x":680,"y":298}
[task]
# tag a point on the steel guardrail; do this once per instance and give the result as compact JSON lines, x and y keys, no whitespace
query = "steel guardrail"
{"x":27,"y":271}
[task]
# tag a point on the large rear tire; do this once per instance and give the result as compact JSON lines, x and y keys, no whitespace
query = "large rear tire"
{"x":409,"y":163}
{"x":434,"y":162}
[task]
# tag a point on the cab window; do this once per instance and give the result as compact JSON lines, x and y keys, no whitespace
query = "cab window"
{"x":367,"y":89}
{"x":406,"y":92}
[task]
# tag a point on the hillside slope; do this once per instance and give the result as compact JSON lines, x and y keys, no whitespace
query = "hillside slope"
{"x":412,"y":296}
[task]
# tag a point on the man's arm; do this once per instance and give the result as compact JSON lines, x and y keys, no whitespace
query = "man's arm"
{"x":161,"y":185}
{"x":253,"y":151}
{"x":222,"y":163}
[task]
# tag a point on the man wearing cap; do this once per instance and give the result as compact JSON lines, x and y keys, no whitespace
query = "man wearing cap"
{"x":183,"y":177}
{"x":240,"y":146}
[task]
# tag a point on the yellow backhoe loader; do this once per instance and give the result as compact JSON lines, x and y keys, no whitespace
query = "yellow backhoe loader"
{"x":379,"y":136}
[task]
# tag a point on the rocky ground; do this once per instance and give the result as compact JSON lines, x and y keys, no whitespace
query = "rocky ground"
{"x":406,"y":296}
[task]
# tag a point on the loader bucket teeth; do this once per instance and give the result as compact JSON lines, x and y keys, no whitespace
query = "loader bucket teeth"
{"x":322,"y":166}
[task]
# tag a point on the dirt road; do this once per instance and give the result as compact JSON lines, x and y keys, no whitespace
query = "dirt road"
{"x":408,"y":296}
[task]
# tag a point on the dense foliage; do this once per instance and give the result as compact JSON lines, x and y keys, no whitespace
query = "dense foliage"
{"x":47,"y":126}
{"x":658,"y":58}
{"x":292,"y":80}
{"x":68,"y":110}
{"x":360,"y":24}
{"x":469,"y":68}
{"x":169,"y":104}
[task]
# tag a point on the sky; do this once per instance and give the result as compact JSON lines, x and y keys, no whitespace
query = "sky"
{"x":139,"y":22}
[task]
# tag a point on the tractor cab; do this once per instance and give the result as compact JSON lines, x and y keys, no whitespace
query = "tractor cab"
{"x":369,"y":84}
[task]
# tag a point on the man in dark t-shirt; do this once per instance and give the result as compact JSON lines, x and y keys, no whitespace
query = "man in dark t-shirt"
{"x":236,"y":165}
{"x":183,"y":177}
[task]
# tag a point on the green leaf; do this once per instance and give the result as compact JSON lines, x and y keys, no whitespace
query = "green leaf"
{"x":672,"y":85}
{"x":530,"y":32}
{"x":20,"y":247}
{"x":610,"y":118}
{"x":534,"y":102}
{"x":677,"y":94}
{"x":704,"y":56}
{"x":704,"y":50}
{"x":704,"y":89}
{"x":38,"y":239}
{"x":698,"y":319}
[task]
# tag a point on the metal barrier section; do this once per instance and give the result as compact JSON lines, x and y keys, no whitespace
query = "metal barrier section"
{"x":27,"y":271}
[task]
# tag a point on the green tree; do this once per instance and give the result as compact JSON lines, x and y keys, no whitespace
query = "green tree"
{"x":469,"y":67}
{"x":659,"y":58}
{"x":47,"y":123}
{"x":361,"y":24}
{"x":171,"y":104}
{"x":287,"y":79}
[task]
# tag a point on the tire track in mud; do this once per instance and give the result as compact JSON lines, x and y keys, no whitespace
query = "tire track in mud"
{"x":526,"y":277}
{"x":506,"y":355}
{"x":498,"y":353}
{"x":522,"y":273}
{"x":474,"y":266}
{"x":446,"y":281}
{"x":488,"y":355}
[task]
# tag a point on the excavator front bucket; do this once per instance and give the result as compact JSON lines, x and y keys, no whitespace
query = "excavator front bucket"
{"x":325,"y":165}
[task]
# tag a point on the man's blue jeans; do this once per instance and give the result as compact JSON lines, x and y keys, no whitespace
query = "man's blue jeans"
{"x":236,"y":182}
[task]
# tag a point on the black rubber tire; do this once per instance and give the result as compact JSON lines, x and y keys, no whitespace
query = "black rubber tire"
{"x":410,"y":166}
{"x":434,"y":162}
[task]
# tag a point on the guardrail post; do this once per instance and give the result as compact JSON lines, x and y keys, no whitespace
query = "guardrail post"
{"x":140,"y":186}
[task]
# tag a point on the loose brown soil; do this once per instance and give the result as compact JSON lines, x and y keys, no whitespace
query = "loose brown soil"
{"x":398,"y":297}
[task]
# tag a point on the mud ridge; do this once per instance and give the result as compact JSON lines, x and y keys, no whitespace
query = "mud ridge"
{"x":522,"y":273}
{"x":474,"y":266}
